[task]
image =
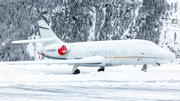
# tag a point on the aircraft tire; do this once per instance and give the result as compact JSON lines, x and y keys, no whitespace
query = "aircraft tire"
{"x":77,"y":71}
{"x":100,"y":70}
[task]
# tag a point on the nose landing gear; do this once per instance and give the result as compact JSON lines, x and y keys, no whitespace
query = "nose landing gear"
{"x":144,"y":68}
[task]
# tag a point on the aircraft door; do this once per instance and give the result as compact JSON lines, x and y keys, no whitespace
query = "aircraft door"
{"x":148,"y":58}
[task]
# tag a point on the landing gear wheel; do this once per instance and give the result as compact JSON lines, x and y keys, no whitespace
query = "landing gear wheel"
{"x":101,"y":69}
{"x":77,"y":71}
{"x":144,"y":68}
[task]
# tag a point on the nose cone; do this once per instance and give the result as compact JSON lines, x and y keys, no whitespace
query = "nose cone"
{"x":171,"y":57}
{"x":166,"y":55}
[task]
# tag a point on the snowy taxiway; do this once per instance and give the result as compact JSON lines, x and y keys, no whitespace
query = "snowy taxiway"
{"x":47,"y":83}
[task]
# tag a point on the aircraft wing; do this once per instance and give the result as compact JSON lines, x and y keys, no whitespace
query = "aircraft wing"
{"x":32,"y":41}
{"x":87,"y":60}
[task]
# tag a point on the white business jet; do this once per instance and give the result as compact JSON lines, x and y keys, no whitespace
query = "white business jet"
{"x":96,"y":54}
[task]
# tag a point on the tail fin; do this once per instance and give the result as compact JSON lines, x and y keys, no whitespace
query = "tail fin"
{"x":46,"y":32}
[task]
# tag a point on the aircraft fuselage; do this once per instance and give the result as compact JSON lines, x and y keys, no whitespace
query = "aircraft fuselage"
{"x":121,"y":52}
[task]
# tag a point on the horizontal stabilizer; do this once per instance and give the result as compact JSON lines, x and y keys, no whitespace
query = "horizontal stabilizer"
{"x":32,"y":41}
{"x":88,"y":60}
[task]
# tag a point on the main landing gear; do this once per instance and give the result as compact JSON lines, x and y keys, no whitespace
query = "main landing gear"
{"x":75,"y":70}
{"x":144,"y":68}
{"x":101,"y":69}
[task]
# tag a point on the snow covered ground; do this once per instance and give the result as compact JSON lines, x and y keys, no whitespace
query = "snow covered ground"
{"x":121,"y":83}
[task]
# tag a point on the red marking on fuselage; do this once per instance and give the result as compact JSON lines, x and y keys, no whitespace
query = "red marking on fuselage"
{"x":62,"y":50}
{"x":42,"y":53}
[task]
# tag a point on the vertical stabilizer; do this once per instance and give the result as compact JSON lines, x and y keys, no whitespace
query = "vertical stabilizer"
{"x":46,"y":32}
